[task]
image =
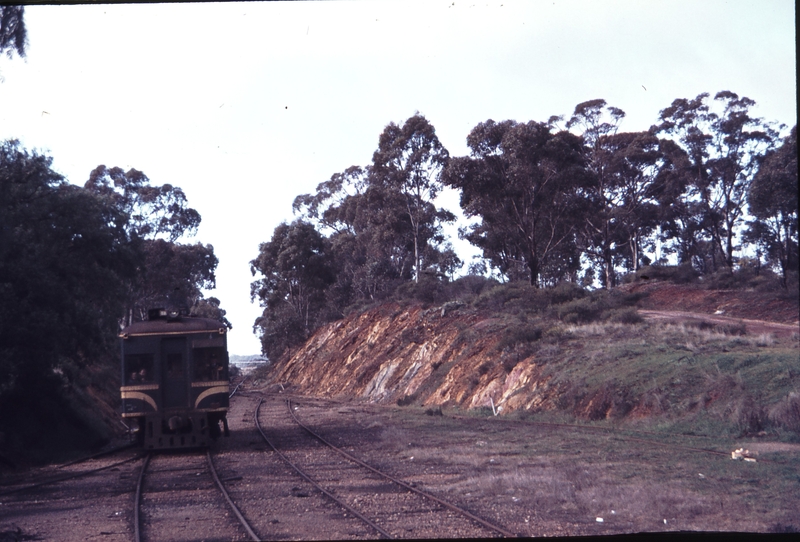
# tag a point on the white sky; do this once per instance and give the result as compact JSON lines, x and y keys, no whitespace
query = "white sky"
{"x":246,"y":105}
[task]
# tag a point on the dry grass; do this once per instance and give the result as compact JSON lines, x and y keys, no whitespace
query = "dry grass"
{"x":786,"y":413}
{"x":764,"y":339}
{"x":539,"y":479}
{"x":551,"y":486}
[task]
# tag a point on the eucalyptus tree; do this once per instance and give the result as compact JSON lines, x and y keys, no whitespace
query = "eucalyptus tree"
{"x":381,"y":220}
{"x":155,"y":218}
{"x":635,"y":166}
{"x":599,"y":123}
{"x":409,"y":160}
{"x":773,"y":201}
{"x":13,"y":34}
{"x":724,"y":145}
{"x":64,"y":261}
{"x":152,"y":211}
{"x":293,"y":270}
{"x":522,"y":181}
{"x":369,"y":232}
{"x":173,"y":274}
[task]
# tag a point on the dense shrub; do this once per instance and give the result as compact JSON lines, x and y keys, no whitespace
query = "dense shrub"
{"x":628,"y":315}
{"x":601,"y":306}
{"x":500,"y":297}
{"x":468,"y":287}
{"x":428,"y":290}
{"x":678,"y":274}
{"x":582,"y":311}
{"x":564,"y":292}
{"x":786,"y":413}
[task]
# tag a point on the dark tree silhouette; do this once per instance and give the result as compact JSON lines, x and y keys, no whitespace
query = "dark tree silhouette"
{"x":773,"y":202}
{"x":724,"y":150}
{"x":409,"y":160}
{"x":13,"y":35}
{"x":521,"y":180}
{"x":294,"y":269}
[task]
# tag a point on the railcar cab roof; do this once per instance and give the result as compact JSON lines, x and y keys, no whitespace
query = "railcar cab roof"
{"x":164,"y":322}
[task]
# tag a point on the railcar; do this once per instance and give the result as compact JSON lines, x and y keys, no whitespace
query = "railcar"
{"x":175,"y":380}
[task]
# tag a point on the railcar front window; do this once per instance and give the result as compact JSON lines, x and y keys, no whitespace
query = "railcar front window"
{"x":138,"y":369}
{"x":174,"y":366}
{"x":209,"y":364}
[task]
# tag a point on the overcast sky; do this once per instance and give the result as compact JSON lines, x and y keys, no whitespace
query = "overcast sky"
{"x":246,"y":105}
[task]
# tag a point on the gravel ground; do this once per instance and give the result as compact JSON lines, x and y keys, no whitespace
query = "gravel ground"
{"x":531,"y":479}
{"x":541,"y":480}
{"x":180,"y":501}
{"x":95,"y":507}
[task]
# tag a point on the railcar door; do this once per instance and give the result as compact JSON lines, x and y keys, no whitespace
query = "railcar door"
{"x":174,"y":373}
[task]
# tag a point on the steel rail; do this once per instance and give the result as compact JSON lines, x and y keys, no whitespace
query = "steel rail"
{"x":408,"y":486}
{"x":68,"y":477}
{"x":236,"y":388}
{"x":239,"y":516}
{"x":315,"y":484}
{"x":98,"y":454}
{"x":21,"y":478}
{"x":137,"y":533}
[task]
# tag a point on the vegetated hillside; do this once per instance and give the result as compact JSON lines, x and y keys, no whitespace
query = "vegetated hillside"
{"x":567,"y":353}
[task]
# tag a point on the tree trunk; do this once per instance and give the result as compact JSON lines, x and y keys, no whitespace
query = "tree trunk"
{"x":634,"y":244}
{"x":416,"y":259}
{"x":533,"y":266}
{"x":608,"y":266}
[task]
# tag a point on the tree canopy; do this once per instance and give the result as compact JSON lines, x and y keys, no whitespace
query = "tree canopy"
{"x":584,"y":203}
{"x":724,"y":146}
{"x":523,"y":181}
{"x":296,"y":268}
{"x":13,"y":34}
{"x":76,"y":263}
{"x":773,"y":201}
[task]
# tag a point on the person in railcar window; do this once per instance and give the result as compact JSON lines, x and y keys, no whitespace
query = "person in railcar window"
{"x":139,"y":368}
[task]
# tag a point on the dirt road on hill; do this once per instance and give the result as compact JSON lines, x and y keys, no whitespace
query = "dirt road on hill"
{"x":753,"y":327}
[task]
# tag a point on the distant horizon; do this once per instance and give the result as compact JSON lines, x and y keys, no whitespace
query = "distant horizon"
{"x":244,"y":357}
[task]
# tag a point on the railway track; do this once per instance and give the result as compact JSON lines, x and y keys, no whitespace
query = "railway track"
{"x":189,"y":487}
{"x":391,"y":507}
{"x":71,"y":501}
{"x":23,"y":484}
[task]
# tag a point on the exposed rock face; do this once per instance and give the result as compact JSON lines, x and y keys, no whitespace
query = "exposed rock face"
{"x":467,"y":357}
{"x":396,"y":354}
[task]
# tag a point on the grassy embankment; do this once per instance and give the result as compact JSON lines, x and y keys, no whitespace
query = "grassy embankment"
{"x":604,"y":364}
{"x":611,"y":366}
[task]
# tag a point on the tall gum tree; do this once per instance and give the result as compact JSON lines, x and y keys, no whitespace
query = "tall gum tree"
{"x":381,"y":220}
{"x":724,"y":145}
{"x":635,"y":165}
{"x":599,"y":123}
{"x":410,"y":160}
{"x":155,"y":218}
{"x":293,"y":270}
{"x":521,"y":180}
{"x":367,"y":224}
{"x":64,"y":260}
{"x":773,"y":202}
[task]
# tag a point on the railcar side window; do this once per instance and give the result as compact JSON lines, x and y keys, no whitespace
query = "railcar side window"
{"x":138,"y":368}
{"x":209,"y":364}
